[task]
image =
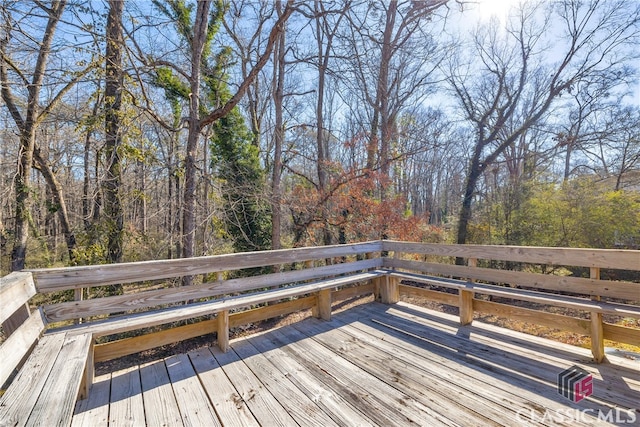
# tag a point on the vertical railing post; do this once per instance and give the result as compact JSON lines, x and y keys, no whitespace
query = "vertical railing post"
{"x":597,"y":333}
{"x":324,"y":304}
{"x":78,"y":295}
{"x":223,"y":330}
{"x":466,"y":300}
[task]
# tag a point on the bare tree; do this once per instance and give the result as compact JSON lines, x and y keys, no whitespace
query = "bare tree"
{"x":29,"y":113}
{"x":112,"y":182}
{"x":505,"y":86}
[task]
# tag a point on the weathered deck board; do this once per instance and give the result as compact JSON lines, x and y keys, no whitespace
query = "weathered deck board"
{"x":339,"y":408}
{"x":399,"y":408}
{"x":227,"y":402}
{"x":298,"y":404}
{"x":127,"y":407}
{"x":161,"y":408}
{"x":264,"y":406}
{"x":192,"y":400}
{"x":94,"y":411}
{"x":373,"y":365}
{"x":538,"y":370}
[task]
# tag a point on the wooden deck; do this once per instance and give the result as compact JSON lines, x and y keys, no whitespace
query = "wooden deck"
{"x":370,"y":365}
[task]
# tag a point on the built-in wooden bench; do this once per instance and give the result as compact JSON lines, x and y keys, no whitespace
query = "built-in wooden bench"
{"x":48,"y":355}
{"x":55,"y":368}
{"x":411,"y":263}
{"x":545,"y":298}
{"x":59,"y":364}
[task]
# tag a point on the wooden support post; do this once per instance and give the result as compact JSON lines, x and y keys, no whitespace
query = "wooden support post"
{"x":78,"y":295}
{"x":466,"y":300}
{"x":324,"y":304}
{"x":89,"y":373}
{"x":466,"y":307}
{"x":377,"y":288}
{"x":223,"y":330}
{"x":597,"y":333}
{"x":389,"y":290}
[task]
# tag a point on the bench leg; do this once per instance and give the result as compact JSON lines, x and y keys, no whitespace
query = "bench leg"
{"x":389,"y":290}
{"x":466,"y":307}
{"x":223,"y":330}
{"x":323,"y":310}
{"x":89,"y":373}
{"x":597,"y":337}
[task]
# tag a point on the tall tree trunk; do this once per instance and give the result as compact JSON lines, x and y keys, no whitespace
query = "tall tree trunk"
{"x":27,"y":126}
{"x":113,"y":137}
{"x":189,"y":203}
{"x":278,"y":136}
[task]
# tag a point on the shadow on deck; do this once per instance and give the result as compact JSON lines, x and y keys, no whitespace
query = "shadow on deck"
{"x":373,"y":364}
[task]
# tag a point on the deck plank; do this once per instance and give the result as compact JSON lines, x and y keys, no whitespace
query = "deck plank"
{"x":160,"y":406}
{"x":530,"y":378}
{"x":264,"y":406}
{"x":375,"y":364}
{"x":192,"y":400}
{"x":305,"y":411}
{"x":395,"y":407}
{"x":392,"y":368}
{"x":94,"y":411}
{"x":229,"y":406}
{"x":468,"y":389}
{"x":127,"y":406}
{"x":541,"y":370}
{"x":339,"y":408}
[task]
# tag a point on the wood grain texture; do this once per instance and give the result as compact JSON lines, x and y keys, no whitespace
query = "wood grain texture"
{"x":15,"y":348}
{"x":578,"y":285}
{"x":195,"y":408}
{"x":621,"y":334}
{"x":17,"y":403}
{"x":160,"y":317}
{"x":94,"y":411}
{"x":161,"y":408}
{"x":603,"y":258}
{"x":56,"y":402}
{"x":154,"y":298}
{"x":262,"y":404}
{"x":303,"y":409}
{"x":15,"y":291}
{"x":57,"y":279}
{"x":230,"y":407}
{"x":127,"y":405}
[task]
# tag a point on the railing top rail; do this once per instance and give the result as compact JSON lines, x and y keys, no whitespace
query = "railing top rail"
{"x":622,"y":259}
{"x":58,"y":279}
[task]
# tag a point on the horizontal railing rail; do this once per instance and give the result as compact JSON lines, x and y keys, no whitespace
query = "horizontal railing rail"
{"x":423,"y":270}
{"x":387,"y":269}
{"x":60,"y":279}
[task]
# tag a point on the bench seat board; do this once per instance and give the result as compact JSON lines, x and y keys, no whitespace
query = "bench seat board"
{"x":524,"y":295}
{"x":20,"y":398}
{"x":56,"y":402}
{"x":174,"y":314}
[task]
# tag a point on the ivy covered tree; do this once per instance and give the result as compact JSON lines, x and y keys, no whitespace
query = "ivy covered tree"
{"x":247,"y":215}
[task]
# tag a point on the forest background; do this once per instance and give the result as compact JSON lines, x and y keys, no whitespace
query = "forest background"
{"x":135,"y":130}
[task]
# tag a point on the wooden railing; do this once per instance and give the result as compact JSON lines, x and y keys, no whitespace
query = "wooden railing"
{"x":412,"y":269}
{"x":590,"y":297}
